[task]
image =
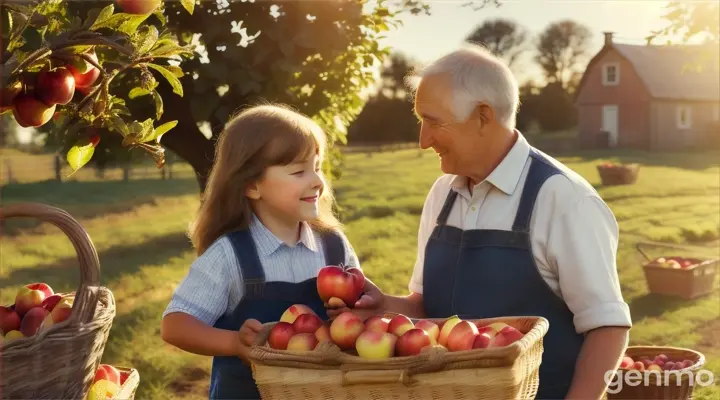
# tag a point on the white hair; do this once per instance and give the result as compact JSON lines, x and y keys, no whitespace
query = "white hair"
{"x":476,"y":76}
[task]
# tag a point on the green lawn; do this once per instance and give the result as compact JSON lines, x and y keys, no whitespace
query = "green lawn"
{"x":138,"y":228}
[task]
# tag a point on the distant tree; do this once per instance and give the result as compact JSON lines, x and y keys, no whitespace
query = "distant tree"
{"x":692,"y":19}
{"x":504,"y":38}
{"x":561,"y":49}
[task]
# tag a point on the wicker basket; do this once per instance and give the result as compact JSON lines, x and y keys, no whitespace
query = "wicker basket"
{"x":688,"y":283}
{"x":327,"y":373}
{"x":129,"y":381}
{"x":60,"y":362}
{"x":676,"y":385}
{"x":618,"y":174}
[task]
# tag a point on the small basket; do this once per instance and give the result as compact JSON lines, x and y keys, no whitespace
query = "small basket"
{"x":129,"y":381}
{"x":60,"y":362}
{"x":688,"y":283}
{"x":510,"y":372}
{"x":618,"y":174}
{"x":676,"y":385}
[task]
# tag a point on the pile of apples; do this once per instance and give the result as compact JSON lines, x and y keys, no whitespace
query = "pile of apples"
{"x":675,"y":262}
{"x":661,"y":362}
{"x":378,"y":337}
{"x":36,"y":308}
{"x":106,"y":384}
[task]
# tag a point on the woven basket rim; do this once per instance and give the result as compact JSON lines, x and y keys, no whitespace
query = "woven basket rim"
{"x":666,"y":349}
{"x":712,"y":264}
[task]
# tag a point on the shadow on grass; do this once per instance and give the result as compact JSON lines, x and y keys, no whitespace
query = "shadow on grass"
{"x":64,"y":275}
{"x":655,"y":305}
{"x":693,"y":160}
{"x":90,"y":199}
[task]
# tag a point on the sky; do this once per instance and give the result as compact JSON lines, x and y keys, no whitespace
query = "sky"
{"x":426,"y":37}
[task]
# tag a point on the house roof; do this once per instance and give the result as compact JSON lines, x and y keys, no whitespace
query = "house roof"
{"x":671,"y":71}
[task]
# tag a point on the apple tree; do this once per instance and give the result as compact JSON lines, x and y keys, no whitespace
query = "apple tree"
{"x":66,"y":70}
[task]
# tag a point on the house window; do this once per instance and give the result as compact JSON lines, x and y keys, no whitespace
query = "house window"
{"x":611,"y":74}
{"x":684,"y":117}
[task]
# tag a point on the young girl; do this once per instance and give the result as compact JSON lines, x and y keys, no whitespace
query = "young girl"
{"x":263,"y":231}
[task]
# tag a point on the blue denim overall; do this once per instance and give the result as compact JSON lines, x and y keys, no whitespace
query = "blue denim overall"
{"x":266,"y":302}
{"x":484,"y":273}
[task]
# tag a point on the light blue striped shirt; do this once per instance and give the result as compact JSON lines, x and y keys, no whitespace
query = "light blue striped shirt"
{"x":213,"y":286}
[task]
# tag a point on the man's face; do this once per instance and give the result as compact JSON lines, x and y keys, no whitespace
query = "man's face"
{"x":458,"y":143}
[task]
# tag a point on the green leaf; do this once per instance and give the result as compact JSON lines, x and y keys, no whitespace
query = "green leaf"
{"x":131,"y":26}
{"x":147,"y":37}
{"x":158,"y":104}
{"x":97,"y":16}
{"x":118,"y":125}
{"x":160,"y":130}
{"x":176,"y":70}
{"x":170,"y":77}
{"x":189,"y":5}
{"x":138,"y":92}
{"x":165,"y":48}
{"x":80,"y":154}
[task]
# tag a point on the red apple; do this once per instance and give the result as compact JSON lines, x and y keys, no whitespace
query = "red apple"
{"x":55,"y":87}
{"x":688,"y":363}
{"x":377,"y":323}
{"x":107,"y":372}
{"x":412,"y":342}
{"x":307,"y":323}
{"x":50,"y":302}
{"x":400,"y":324}
{"x":661,"y":357}
{"x":33,"y":320}
{"x":432,"y":329}
{"x":462,"y":336}
{"x":646,"y":362}
{"x":482,"y":341}
{"x":639,"y":365}
{"x":626,"y":362}
{"x":345,"y":329}
{"x":376,"y":345}
{"x":9,"y":320}
{"x":294,"y":311}
{"x":31,"y":112}
{"x":138,"y":6}
{"x":30,"y":296}
{"x":302,"y":342}
{"x":84,"y":80}
{"x":345,"y":284}
{"x":506,"y":336}
{"x":280,"y":335}
{"x":447,"y":326}
{"x":669,"y":366}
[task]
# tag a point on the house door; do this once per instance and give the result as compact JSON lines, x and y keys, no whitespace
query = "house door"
{"x":610,"y":123}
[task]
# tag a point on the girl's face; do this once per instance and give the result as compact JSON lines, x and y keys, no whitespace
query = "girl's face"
{"x":289,"y":193}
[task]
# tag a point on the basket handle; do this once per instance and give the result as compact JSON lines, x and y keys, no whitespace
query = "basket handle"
{"x":639,"y":246}
{"x":374,"y":377}
{"x":86,"y":297}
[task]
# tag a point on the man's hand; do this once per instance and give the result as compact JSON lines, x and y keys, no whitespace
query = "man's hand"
{"x":372,"y":302}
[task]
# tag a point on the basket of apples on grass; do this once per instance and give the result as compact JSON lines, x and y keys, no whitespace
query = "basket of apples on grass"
{"x":51,"y":343}
{"x":113,"y":382}
{"x":394,"y":356}
{"x":656,"y":372}
{"x":618,"y":174}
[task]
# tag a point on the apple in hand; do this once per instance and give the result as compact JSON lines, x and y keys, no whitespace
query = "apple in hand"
{"x":345,"y":329}
{"x":294,"y":311}
{"x":506,"y":336}
{"x":432,"y":329}
{"x":400,"y":324}
{"x":344,"y":284}
{"x":412,"y":342}
{"x":376,"y":345}
{"x":280,"y":335}
{"x":377,"y":323}
{"x":9,"y":319}
{"x":307,"y":323}
{"x":462,"y":336}
{"x":447,"y":326}
{"x":302,"y":342}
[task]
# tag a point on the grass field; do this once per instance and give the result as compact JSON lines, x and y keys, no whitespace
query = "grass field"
{"x":138,"y":228}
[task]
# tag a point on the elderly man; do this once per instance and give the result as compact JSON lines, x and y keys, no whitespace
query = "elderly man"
{"x":510,"y":231}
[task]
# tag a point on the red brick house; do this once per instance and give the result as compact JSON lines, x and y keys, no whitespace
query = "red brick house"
{"x":650,"y":97}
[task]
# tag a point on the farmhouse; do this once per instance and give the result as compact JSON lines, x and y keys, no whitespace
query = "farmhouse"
{"x":655,"y":97}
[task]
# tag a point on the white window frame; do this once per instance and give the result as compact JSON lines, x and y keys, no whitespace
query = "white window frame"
{"x":605,"y":80}
{"x":678,"y":116}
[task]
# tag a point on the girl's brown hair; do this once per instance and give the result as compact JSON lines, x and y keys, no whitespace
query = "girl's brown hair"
{"x":257,"y":138}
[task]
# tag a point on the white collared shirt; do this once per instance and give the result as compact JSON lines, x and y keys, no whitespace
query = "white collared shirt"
{"x":573,"y":233}
{"x":214,"y":286}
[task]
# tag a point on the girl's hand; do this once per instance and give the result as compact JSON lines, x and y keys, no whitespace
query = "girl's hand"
{"x":246,"y":337}
{"x":372,"y":302}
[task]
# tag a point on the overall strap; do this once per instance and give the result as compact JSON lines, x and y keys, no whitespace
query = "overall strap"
{"x":447,"y":207}
{"x":334,"y":248}
{"x":540,"y":171}
{"x":253,"y":274}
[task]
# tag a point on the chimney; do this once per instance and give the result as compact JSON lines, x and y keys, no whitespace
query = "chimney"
{"x":608,"y":38}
